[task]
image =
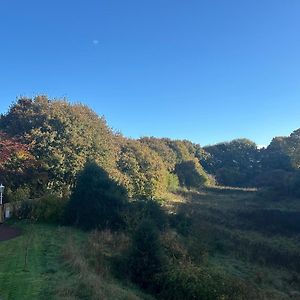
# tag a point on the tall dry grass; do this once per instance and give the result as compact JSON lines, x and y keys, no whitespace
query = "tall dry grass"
{"x":92,"y":278}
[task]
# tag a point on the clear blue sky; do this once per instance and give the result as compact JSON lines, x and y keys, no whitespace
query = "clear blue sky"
{"x":205,"y":70}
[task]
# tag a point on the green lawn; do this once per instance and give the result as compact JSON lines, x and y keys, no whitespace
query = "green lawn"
{"x":37,"y":278}
{"x":55,"y":270}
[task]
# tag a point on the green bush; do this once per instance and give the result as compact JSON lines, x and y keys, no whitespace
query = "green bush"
{"x":145,"y":260}
{"x":190,"y":282}
{"x":173,"y":182}
{"x":96,"y":201}
{"x":24,"y":211}
{"x":181,"y":222}
{"x":20,"y":194}
{"x":191,"y":174}
{"x":139,"y":210}
{"x":48,"y":208}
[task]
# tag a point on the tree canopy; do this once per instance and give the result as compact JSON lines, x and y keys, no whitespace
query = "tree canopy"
{"x":233,"y":163}
{"x":61,"y":136}
{"x":96,"y":200}
{"x":46,"y":143}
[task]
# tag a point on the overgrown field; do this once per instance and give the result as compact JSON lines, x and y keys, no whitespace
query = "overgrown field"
{"x":232,"y":243}
{"x":246,"y":236}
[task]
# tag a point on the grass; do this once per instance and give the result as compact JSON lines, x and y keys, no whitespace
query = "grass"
{"x":55,"y":269}
{"x":227,"y":235}
{"x":21,"y":280}
{"x":219,"y":230}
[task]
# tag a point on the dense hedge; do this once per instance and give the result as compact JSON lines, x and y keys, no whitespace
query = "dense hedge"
{"x":96,"y":201}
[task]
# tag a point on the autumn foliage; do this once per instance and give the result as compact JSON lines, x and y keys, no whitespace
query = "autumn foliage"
{"x":16,"y":161}
{"x":60,"y":137}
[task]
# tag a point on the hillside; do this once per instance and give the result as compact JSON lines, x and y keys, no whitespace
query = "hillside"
{"x":49,"y":262}
{"x":230,"y":232}
{"x":239,"y":232}
{"x":107,"y":217}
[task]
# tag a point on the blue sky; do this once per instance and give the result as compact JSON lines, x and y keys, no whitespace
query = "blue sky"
{"x":204,"y":70}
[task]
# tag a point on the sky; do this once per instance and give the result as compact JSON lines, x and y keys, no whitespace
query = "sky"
{"x":203,"y":70}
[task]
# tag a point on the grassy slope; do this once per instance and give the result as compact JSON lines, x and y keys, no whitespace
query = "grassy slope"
{"x":47,"y":276}
{"x":219,"y":237}
{"x":237,"y":246}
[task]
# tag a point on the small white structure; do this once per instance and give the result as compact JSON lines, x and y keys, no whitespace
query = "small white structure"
{"x":1,"y":203}
{"x":7,"y":211}
{"x":1,"y":193}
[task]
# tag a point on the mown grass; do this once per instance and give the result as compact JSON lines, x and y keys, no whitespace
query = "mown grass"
{"x":55,"y":267}
{"x":22,"y":278}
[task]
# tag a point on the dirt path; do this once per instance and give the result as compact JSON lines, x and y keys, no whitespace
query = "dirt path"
{"x":7,"y":232}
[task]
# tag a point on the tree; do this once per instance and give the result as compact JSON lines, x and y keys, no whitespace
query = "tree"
{"x":145,"y":259}
{"x":146,"y":175}
{"x":287,"y":150}
{"x":96,"y":201}
{"x":16,"y":161}
{"x":234,"y":163}
{"x":275,"y":158}
{"x":182,"y":160}
{"x":191,"y":174}
{"x":61,"y":136}
{"x":161,"y":147}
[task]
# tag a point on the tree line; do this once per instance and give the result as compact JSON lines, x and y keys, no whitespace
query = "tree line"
{"x":44,"y":144}
{"x":79,"y":172}
{"x":241,"y":163}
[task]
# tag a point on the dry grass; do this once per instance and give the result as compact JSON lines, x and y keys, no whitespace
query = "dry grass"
{"x":237,"y":246}
{"x":91,"y":269}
